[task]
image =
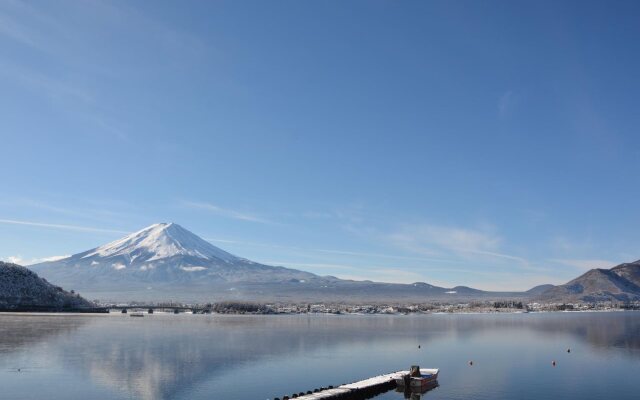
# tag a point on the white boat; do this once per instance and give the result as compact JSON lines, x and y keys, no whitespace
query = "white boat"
{"x":136,"y":314}
{"x":418,"y":379}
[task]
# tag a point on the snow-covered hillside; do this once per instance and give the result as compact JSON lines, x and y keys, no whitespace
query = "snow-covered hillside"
{"x":22,"y":288}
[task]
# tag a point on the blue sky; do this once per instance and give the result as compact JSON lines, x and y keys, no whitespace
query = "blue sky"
{"x":489,"y":144}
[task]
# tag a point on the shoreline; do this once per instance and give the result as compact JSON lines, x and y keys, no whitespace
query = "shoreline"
{"x":415,"y":314}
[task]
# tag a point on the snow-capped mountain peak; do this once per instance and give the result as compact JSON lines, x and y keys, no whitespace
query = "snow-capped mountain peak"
{"x":164,"y":258}
{"x":160,"y":241}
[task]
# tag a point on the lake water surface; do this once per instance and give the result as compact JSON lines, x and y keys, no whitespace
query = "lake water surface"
{"x":166,"y":356}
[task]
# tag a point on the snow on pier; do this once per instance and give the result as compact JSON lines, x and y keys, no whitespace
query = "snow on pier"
{"x":355,"y":390}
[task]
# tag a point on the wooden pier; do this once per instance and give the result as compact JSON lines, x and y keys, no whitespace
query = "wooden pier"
{"x":353,"y":391}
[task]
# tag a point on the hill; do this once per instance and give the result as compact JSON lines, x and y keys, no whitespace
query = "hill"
{"x":620,"y":283}
{"x":22,"y":289}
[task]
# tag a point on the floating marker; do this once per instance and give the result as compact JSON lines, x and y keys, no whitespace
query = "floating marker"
{"x":553,"y":363}
{"x":471,"y":363}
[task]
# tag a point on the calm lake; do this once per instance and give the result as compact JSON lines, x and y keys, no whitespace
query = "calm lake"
{"x":166,"y":356}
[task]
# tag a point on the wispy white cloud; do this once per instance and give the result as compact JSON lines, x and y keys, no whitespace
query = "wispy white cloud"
{"x":566,"y":247}
{"x":330,"y":251}
{"x":318,"y":215}
{"x":438,"y":240}
{"x":225,"y":212}
{"x":65,"y":40}
{"x":29,"y":24}
{"x":193,"y":269}
{"x":380,"y":255}
{"x":505,"y":103}
{"x":49,"y":259}
{"x":348,"y":214}
{"x":445,"y":277}
{"x":77,"y":210}
{"x":15,"y":31}
{"x":387,"y":275}
{"x":15,"y":259}
{"x":60,"y":226}
{"x":23,"y":261}
{"x":315,"y":266}
{"x":358,"y":273}
{"x":584,"y":264}
{"x":55,"y":88}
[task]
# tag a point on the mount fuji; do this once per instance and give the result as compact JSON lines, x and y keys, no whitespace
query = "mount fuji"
{"x":167,"y":262}
{"x":161,"y":257}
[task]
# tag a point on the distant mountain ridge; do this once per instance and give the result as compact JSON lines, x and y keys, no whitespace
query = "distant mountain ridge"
{"x":620,"y":283}
{"x":23,"y":289}
{"x":165,"y":261}
{"x":537,"y":290}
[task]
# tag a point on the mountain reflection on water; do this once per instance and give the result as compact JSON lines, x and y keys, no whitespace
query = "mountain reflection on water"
{"x":21,"y":331}
{"x":204,"y":356}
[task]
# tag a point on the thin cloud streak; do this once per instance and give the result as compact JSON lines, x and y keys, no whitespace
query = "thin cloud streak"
{"x":100,"y":215}
{"x":225,"y":212}
{"x":584,"y":264}
{"x":378,"y":274}
{"x":387,"y":275}
{"x":353,"y":253}
{"x":498,"y":255}
{"x":372,"y":269}
{"x":22,"y":261}
{"x":329,"y":251}
{"x":433,"y":239}
{"x":505,"y":103}
{"x":52,"y":258}
{"x":60,"y":226}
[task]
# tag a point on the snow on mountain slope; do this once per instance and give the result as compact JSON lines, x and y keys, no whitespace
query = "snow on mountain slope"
{"x":163,"y":253}
{"x":160,"y":241}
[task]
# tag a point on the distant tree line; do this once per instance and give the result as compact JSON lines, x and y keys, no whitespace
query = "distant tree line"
{"x":508,"y":304}
{"x":230,"y":307}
